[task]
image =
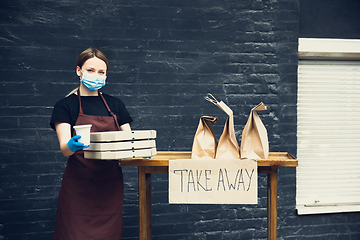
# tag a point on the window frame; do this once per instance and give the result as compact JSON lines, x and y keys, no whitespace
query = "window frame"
{"x":334,"y":50}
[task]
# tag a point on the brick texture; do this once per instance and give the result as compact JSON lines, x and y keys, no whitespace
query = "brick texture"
{"x":165,"y":56}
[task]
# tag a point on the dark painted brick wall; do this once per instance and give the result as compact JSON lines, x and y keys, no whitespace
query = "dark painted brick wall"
{"x":330,"y":19}
{"x":165,"y":56}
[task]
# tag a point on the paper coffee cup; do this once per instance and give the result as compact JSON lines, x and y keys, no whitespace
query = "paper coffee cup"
{"x":84,"y":132}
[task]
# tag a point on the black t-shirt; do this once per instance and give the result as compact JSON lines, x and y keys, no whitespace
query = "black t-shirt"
{"x":67,"y":109}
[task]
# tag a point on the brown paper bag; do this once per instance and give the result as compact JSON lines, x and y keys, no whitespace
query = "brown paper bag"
{"x":205,"y":142}
{"x":254,"y":140}
{"x":228,"y":146}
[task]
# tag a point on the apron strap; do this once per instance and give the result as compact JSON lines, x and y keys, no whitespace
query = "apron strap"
{"x":106,"y":105}
{"x":78,"y":94}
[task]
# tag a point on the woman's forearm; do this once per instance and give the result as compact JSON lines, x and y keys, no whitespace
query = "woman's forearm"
{"x":63,"y":131}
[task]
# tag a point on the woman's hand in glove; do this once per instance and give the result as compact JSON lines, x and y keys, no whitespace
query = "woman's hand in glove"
{"x":74,"y":145}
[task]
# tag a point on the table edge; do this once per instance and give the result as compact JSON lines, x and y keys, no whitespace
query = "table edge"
{"x":282,"y":159}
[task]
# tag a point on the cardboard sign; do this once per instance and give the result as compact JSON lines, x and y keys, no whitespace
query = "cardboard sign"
{"x":206,"y":181}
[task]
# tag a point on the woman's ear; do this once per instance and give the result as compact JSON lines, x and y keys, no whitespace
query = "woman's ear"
{"x":78,"y":72}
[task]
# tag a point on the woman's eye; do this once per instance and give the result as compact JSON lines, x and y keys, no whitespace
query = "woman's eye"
{"x":90,"y":71}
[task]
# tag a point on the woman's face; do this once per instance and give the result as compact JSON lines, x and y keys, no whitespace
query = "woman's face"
{"x":92,"y":66}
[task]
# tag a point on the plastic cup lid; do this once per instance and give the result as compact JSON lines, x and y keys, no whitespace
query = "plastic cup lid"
{"x":82,"y":126}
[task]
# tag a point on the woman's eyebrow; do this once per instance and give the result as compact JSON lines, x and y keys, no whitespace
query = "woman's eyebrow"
{"x":101,"y":69}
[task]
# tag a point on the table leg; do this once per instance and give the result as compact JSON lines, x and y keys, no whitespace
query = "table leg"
{"x":272,"y":203}
{"x":144,"y":204}
{"x":148,"y":206}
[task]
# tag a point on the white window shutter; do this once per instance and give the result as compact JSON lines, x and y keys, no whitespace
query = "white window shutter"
{"x":328,"y":148}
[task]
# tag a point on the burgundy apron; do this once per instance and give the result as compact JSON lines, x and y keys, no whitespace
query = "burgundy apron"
{"x":91,"y":195}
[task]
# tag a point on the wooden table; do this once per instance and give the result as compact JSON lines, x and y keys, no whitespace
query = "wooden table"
{"x":160,"y":164}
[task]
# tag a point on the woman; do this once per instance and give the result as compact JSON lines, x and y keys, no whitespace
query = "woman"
{"x":91,"y":194}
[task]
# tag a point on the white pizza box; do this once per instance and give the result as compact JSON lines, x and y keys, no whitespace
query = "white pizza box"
{"x":116,"y":146}
{"x":115,"y":155}
{"x":114,"y":136}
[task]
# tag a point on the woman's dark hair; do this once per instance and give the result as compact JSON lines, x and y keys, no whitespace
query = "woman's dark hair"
{"x":90,"y":53}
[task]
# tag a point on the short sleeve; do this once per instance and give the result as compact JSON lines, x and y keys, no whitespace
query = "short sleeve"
{"x":123,"y":114}
{"x":60,"y":113}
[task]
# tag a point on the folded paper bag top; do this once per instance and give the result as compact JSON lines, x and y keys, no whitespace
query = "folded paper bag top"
{"x":205,"y":142}
{"x":254,"y":140}
{"x":228,"y":146}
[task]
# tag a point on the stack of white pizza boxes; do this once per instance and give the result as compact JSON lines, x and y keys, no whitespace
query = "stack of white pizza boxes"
{"x":121,"y":145}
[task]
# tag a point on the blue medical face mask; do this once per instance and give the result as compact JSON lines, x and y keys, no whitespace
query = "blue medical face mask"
{"x":92,"y":82}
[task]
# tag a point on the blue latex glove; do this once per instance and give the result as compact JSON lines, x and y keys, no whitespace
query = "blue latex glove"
{"x":74,"y":145}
